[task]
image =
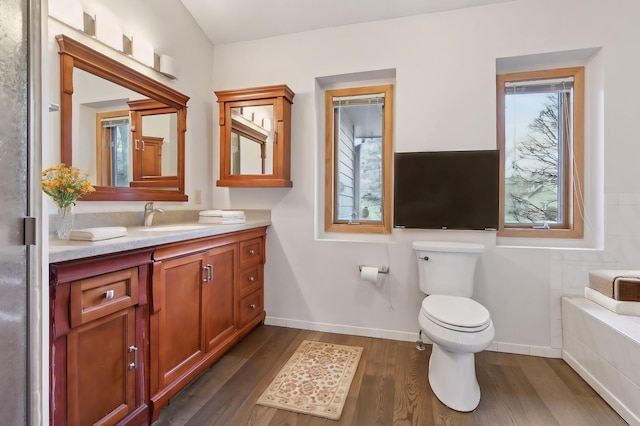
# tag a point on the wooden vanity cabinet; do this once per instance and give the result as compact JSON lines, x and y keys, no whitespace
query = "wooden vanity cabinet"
{"x":97,"y":342}
{"x":200,"y":307}
{"x":250,"y":280}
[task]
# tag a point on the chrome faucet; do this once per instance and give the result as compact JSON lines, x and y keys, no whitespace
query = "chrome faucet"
{"x":149,"y":212}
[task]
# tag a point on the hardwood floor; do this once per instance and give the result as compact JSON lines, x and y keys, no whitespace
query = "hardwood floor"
{"x":391,"y":387}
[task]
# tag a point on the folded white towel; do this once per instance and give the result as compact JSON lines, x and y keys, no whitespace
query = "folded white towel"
{"x":98,"y":234}
{"x":623,"y":308}
{"x":222,"y":213}
{"x":221,"y":220}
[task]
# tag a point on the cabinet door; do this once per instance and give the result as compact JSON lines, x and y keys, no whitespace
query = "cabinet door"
{"x":180,"y":333}
{"x":219,"y":295}
{"x":101,"y":369}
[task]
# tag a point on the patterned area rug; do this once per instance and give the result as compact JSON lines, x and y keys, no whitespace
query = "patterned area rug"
{"x":315,"y":380}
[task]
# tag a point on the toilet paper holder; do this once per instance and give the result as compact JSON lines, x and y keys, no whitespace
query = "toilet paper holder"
{"x":381,"y":269}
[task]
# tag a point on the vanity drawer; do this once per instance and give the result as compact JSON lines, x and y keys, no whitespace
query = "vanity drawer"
{"x":250,"y":280}
{"x":251,"y":306}
{"x":94,"y":297}
{"x":251,"y":252}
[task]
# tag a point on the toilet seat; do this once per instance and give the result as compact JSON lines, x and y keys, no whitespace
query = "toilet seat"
{"x":456,"y":313}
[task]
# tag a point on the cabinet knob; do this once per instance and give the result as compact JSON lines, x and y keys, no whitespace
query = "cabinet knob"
{"x":109,"y":294}
{"x":252,"y":306}
{"x":252,"y":279}
{"x":252,"y":252}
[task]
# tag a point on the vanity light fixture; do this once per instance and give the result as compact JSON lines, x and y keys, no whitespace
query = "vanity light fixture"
{"x":108,"y":30}
{"x":103,"y":26}
{"x":142,"y":51}
{"x":168,"y":66}
{"x":69,"y":12}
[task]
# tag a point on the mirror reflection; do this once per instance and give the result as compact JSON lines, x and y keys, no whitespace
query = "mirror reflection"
{"x":252,"y":137}
{"x":126,"y":129}
{"x":120,"y":137}
{"x":113,"y":156}
{"x":158,"y":145}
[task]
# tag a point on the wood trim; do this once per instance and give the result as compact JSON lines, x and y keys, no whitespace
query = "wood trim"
{"x":100,"y":178}
{"x":248,"y":132}
{"x":139,"y":109}
{"x":330,"y":135}
{"x":256,"y":93}
{"x":330,"y":222}
{"x":149,"y":105}
{"x":110,"y":193}
{"x":73,"y":270}
{"x":574,"y":227}
{"x":182,"y":248}
{"x":74,"y":54}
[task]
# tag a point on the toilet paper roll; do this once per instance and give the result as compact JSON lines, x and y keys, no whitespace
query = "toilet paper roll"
{"x":369,"y":273}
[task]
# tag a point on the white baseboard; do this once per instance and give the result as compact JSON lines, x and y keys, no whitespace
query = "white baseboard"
{"x":402,"y":336}
{"x":405,"y":336}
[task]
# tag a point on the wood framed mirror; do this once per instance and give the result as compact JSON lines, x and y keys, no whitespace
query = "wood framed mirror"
{"x":125,"y":129}
{"x":255,"y":136}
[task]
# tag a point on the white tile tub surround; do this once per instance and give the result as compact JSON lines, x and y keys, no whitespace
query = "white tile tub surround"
{"x":604,"y":348}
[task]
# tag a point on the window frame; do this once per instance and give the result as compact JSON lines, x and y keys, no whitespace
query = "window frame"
{"x":573,"y":180}
{"x":332,"y":224}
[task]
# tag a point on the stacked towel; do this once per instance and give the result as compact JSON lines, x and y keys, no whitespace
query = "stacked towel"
{"x":622,"y":308}
{"x":222,"y":216}
{"x":623,"y":285}
{"x":98,"y":234}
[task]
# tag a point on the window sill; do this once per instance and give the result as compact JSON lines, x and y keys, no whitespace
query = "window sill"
{"x":344,"y":237}
{"x":545,"y":243}
{"x":570,"y":234}
{"x":360,"y":228}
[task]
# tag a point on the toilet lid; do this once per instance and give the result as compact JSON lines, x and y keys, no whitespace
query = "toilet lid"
{"x":456,"y":313}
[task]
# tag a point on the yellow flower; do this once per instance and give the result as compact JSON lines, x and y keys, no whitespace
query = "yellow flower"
{"x":65,"y":184}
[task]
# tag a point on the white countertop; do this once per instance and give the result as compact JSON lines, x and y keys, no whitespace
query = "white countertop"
{"x":141,"y":237}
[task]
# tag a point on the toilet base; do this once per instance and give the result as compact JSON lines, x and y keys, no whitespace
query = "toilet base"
{"x":452,"y":376}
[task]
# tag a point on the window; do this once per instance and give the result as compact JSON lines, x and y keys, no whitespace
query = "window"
{"x":540,"y":138}
{"x":112,"y":148}
{"x":358,"y":155}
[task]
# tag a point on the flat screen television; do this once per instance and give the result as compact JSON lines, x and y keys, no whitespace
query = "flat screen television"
{"x":447,"y":190}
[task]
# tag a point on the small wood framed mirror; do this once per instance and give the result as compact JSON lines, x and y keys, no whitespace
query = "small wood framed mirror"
{"x":255,"y":136}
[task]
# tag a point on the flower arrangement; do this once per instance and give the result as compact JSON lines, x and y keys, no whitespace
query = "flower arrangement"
{"x":65,"y":184}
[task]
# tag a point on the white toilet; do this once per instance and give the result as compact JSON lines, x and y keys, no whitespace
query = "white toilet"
{"x":457,"y":325}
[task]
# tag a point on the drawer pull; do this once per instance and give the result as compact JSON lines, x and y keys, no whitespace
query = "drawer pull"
{"x":109,"y":294}
{"x":251,"y":279}
{"x":252,"y":252}
{"x":134,"y":364}
{"x":252,"y":306}
{"x":209,"y":270}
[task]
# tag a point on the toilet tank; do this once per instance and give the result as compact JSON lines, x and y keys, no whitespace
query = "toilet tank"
{"x":447,"y":267}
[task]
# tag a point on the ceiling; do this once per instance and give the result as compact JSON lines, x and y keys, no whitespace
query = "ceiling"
{"x":229,"y":21}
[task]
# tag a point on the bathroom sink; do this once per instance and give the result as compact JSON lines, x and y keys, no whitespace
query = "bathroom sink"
{"x":174,"y":228}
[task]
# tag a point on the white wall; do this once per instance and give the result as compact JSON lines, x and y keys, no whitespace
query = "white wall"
{"x":168,"y":26}
{"x":445,"y":67}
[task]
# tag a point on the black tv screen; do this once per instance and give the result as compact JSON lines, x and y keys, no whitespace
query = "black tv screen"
{"x":447,"y":190}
